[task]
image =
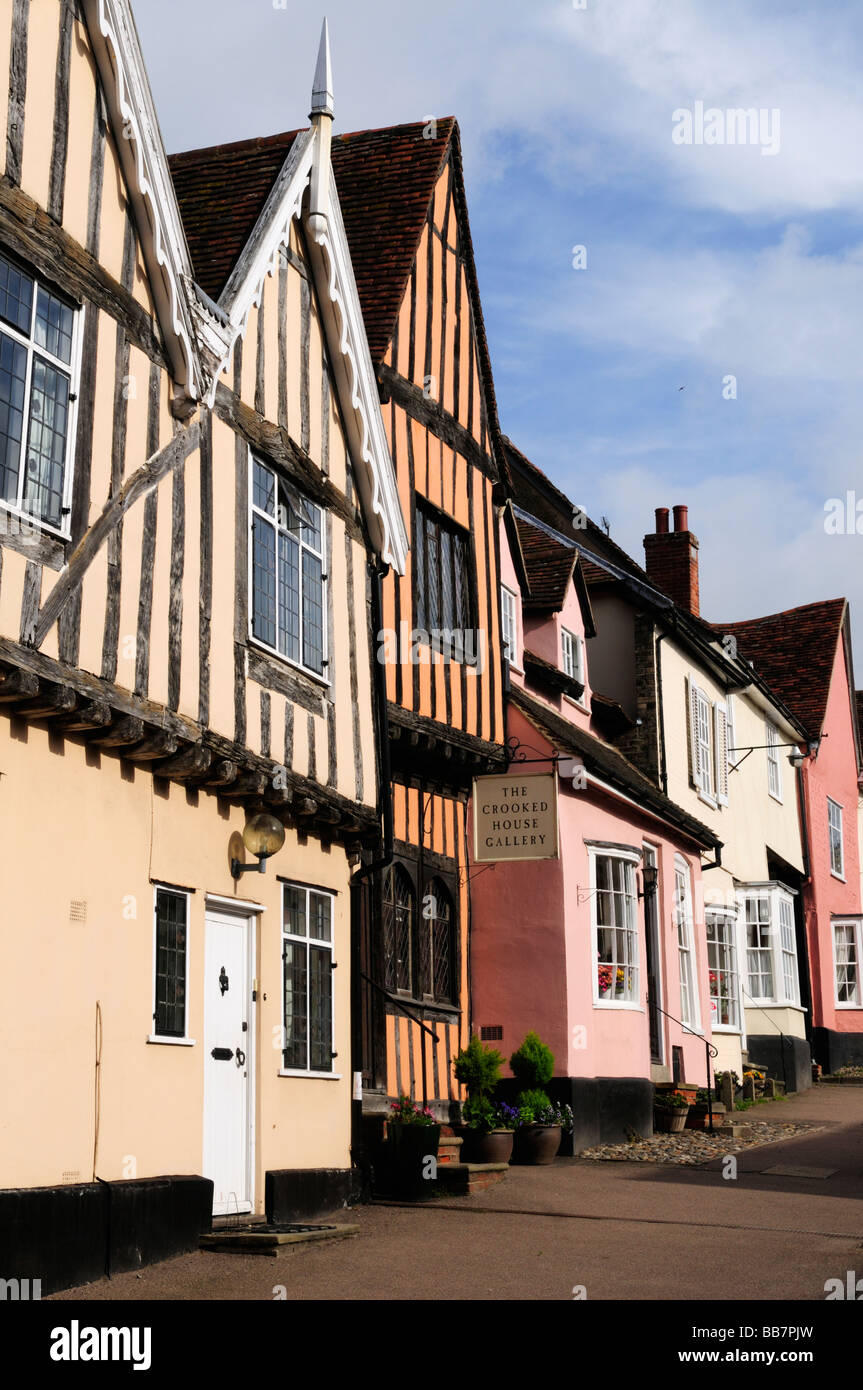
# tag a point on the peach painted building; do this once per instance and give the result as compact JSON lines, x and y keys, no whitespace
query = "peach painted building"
{"x":196,"y":485}
{"x":583,"y":948}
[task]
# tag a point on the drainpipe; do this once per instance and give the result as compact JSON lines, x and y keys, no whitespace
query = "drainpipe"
{"x":367,"y":871}
{"x":807,"y":878}
{"x":663,"y":767}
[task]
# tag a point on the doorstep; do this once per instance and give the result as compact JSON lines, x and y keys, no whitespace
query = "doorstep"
{"x":262,"y":1239}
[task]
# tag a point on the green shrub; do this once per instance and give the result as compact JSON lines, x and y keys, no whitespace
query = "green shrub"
{"x":479,"y":1113}
{"x":478,"y":1068}
{"x":532,"y":1064}
{"x":531,"y":1103}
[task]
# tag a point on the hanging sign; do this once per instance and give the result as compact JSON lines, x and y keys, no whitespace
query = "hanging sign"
{"x":515,"y":817}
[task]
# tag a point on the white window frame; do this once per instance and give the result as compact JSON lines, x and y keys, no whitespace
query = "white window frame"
{"x":322,"y":677}
{"x":509,"y":626}
{"x":774,"y":765}
{"x":684,"y":922}
{"x":777,"y":937}
{"x":831,"y":828}
{"x":168,"y":1038}
{"x":721,"y":924}
{"x":572,"y":655}
{"x":309,"y":942}
{"x":702,"y":741}
{"x":72,"y":371}
{"x":720,"y":752}
{"x":856,"y":926}
{"x":630,"y":859}
{"x":730,"y":734}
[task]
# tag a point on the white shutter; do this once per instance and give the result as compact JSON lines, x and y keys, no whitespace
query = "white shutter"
{"x":692,"y":722}
{"x":720,"y":753}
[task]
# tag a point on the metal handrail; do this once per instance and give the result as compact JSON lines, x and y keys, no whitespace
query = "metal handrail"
{"x":710,"y":1051}
{"x":394,"y":999}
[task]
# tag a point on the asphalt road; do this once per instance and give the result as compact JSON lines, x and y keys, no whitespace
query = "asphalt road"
{"x":614,"y":1230}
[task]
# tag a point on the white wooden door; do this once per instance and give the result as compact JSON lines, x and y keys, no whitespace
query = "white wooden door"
{"x":228,"y":1060}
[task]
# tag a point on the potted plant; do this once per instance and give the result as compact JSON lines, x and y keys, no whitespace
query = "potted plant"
{"x":538,"y":1136}
{"x":485,"y":1137}
{"x":413,"y":1135}
{"x":669,"y":1112}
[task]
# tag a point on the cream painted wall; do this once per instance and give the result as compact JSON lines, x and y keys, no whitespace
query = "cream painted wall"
{"x":82,"y":826}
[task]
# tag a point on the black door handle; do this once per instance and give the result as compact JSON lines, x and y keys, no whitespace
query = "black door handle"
{"x":222,"y":1054}
{"x":241,"y":1057}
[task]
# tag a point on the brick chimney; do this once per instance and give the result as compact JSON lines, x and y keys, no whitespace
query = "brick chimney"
{"x":671,"y":558}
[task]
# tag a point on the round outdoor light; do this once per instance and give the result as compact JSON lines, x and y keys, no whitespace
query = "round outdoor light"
{"x":263,"y":836}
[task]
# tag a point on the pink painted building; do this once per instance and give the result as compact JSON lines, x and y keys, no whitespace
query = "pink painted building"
{"x":805,"y":655}
{"x":599,"y":950}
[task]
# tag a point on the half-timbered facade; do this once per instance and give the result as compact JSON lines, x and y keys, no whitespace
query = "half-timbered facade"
{"x":196,"y":487}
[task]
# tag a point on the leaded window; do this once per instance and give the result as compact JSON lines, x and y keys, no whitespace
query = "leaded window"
{"x":37,"y":364}
{"x":444,"y":594}
{"x":615,"y":929}
{"x":172,"y":925}
{"x":399,"y":913}
{"x":307,"y":955}
{"x":287,"y":571}
{"x":436,"y":942}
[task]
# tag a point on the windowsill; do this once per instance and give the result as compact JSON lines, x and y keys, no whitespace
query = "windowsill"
{"x":849,"y":1007}
{"x":840,"y":878}
{"x":708,"y":800}
{"x":312,"y":1075}
{"x":727,"y":1029}
{"x":322,"y":681}
{"x":171,"y":1042}
{"x":774,"y":797}
{"x":577,"y":703}
{"x":32,"y":538}
{"x":626,"y":1005}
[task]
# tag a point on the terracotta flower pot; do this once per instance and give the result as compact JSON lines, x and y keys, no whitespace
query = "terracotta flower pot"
{"x":495,"y":1146}
{"x":536,"y":1144}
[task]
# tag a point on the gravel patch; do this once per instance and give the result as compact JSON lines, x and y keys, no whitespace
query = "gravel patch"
{"x":694,"y":1146}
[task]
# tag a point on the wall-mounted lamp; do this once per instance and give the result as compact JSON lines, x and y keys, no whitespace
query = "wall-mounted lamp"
{"x":797,"y":759}
{"x":263,"y":836}
{"x":649,"y":878}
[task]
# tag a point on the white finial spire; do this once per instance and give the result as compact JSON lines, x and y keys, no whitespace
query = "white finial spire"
{"x":322,"y":91}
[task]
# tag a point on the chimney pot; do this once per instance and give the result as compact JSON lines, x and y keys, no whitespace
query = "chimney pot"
{"x":662,"y":521}
{"x":681,"y":518}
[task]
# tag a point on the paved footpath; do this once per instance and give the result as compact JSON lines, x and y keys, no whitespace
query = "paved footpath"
{"x":619,"y":1230}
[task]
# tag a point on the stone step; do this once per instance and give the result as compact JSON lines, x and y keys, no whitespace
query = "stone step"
{"x":449,"y":1149}
{"x":465,"y":1179}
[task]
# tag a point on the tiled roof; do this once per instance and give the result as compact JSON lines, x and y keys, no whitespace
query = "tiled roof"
{"x":221,"y":192}
{"x":611,"y":766}
{"x":794,"y":652}
{"x":385,"y":180}
{"x":549,"y":566}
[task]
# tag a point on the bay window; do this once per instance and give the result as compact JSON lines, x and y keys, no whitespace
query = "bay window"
{"x":722,"y":968}
{"x":690,"y":1013}
{"x":771,"y":945}
{"x":614,"y":911}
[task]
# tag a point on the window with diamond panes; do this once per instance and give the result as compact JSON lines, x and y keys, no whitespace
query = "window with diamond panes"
{"x":399,"y":911}
{"x":37,"y":342}
{"x":436,"y":940}
{"x":307,"y":955}
{"x":172,"y":921}
{"x":442,"y":573}
{"x":288,"y":579}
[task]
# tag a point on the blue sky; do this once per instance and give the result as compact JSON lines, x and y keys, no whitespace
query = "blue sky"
{"x":703,"y":261}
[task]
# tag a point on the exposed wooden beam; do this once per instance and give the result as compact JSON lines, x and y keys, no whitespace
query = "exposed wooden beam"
{"x":159,"y":744}
{"x":18,"y":685}
{"x":126,"y":731}
{"x":192,"y":761}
